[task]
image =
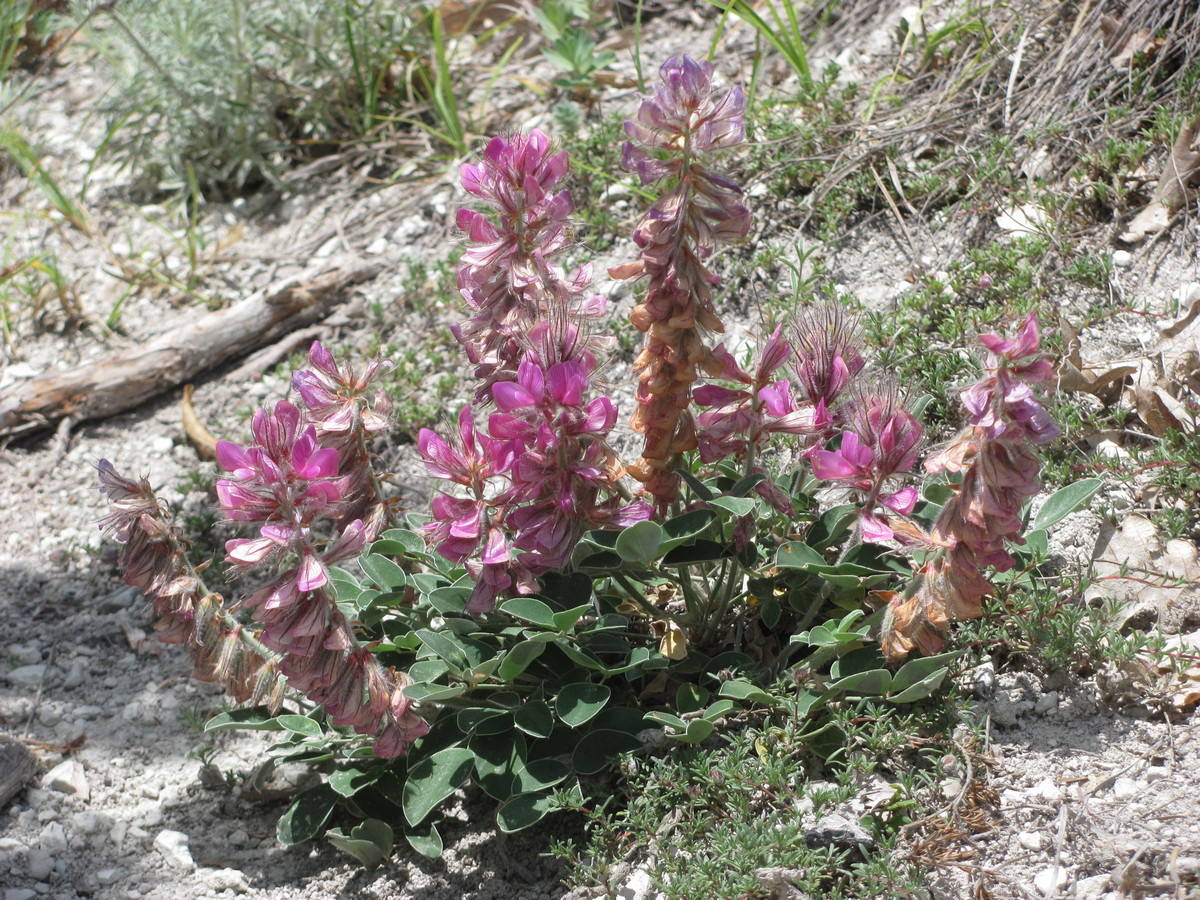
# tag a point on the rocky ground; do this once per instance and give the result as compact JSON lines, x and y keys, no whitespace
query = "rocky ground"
{"x":1087,"y":789}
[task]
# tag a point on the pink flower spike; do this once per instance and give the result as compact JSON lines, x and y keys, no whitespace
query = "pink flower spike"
{"x":1027,"y":341}
{"x":774,"y":354}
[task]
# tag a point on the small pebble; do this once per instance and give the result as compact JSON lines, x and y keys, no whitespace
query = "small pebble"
{"x":1046,"y":703}
{"x":173,"y":846}
{"x":105,"y":877}
{"x":24,"y":654}
{"x":1127,"y":788}
{"x":39,"y":864}
{"x":28,"y":677}
{"x":1049,"y":880}
{"x":1030,"y":840}
{"x":1046,"y":791}
{"x":53,"y":838}
{"x":1122,"y":259}
{"x":68,"y":778}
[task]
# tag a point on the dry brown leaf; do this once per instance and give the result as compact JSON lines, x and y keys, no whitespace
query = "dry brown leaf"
{"x":1176,"y":186}
{"x":1182,"y":173}
{"x":1156,"y":583}
{"x":1162,"y":387}
{"x":1122,"y":43}
{"x":1151,"y":220}
{"x":673,"y":643}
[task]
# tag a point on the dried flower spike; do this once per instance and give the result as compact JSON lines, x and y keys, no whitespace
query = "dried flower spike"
{"x":672,"y":138}
{"x":995,"y":454}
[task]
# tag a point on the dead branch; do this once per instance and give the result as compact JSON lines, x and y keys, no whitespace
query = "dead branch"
{"x":123,"y":381}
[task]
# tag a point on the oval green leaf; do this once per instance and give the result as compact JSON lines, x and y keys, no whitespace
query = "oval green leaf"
{"x":640,"y":542}
{"x":307,"y":815}
{"x":1065,"y":501}
{"x":578,"y":702}
{"x":523,"y":810}
{"x":434,"y":779}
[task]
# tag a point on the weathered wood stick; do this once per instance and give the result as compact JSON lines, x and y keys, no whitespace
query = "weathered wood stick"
{"x":123,"y":381}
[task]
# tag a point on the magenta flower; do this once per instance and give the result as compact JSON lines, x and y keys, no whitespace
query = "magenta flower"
{"x":472,"y":461}
{"x":884,"y":444}
{"x":337,"y":397}
{"x":827,"y":356}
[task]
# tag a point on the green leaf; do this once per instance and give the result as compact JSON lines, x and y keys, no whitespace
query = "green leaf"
{"x":701,"y":489}
{"x":460,"y":653}
{"x":679,"y":530}
{"x":386,"y":574}
{"x":744,"y":485}
{"x":348,"y":782}
{"x":1065,"y":501}
{"x":830,"y":528}
{"x":523,"y":810}
{"x":369,"y":842}
{"x":540,"y":775}
{"x":580,"y":701}
{"x":871,"y":682}
{"x":1037,"y":543}
{"x":600,"y":748}
{"x":695,"y":732}
{"x":535,"y":719}
{"x":640,"y":542}
{"x":530,"y":609}
{"x":434,"y":779}
{"x":258,"y":718}
{"x":307,"y":815}
{"x":918,"y":669}
{"x":425,"y":693}
{"x":518,"y":659}
{"x":581,"y":655}
{"x":744,"y":690}
{"x":565,"y":620}
{"x":620,"y":718}
{"x":921,"y":689}
{"x":450,"y":600}
{"x":798,"y":555}
{"x":690,"y":697}
{"x":497,"y":760}
{"x":407,"y":542}
{"x":719,"y":709}
{"x":666,"y":719}
{"x":738,"y":506}
{"x":427,"y":841}
{"x":480,"y":720}
{"x":301,"y":725}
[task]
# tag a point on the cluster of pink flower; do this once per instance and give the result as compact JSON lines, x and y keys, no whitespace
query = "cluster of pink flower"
{"x":508,"y":276}
{"x":999,"y":467}
{"x":306,"y":469}
{"x":542,"y":473}
{"x":292,"y":478}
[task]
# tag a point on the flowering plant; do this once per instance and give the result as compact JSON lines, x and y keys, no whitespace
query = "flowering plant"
{"x":549,"y":610}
